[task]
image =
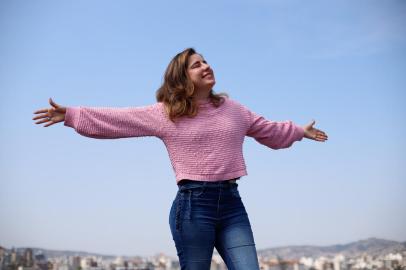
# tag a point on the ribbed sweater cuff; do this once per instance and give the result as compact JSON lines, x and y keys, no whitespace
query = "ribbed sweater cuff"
{"x":299,"y":133}
{"x":72,"y":117}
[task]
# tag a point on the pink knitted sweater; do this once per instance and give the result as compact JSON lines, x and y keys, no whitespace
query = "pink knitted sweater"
{"x":207,"y":147}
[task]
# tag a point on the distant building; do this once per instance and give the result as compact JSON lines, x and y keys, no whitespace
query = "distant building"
{"x":74,"y":263}
{"x":86,"y":263}
{"x":337,"y":262}
{"x":2,"y":257}
{"x":28,"y":258}
{"x":41,"y":263}
{"x":13,"y":256}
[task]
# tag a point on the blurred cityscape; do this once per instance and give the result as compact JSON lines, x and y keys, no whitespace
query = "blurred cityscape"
{"x":371,"y":257}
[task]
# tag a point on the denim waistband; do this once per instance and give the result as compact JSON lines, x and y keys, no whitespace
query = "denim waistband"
{"x":184,"y":182}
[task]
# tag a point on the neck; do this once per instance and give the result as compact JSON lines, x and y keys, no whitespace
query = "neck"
{"x":201,"y":95}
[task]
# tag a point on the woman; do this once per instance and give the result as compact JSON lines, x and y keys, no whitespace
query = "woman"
{"x":203,"y":133}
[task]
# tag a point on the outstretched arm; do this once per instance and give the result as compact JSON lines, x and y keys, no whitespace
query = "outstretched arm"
{"x":274,"y":134}
{"x":104,"y":122}
{"x":278,"y":135}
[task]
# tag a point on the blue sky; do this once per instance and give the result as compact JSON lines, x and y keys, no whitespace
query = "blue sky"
{"x":341,"y":63}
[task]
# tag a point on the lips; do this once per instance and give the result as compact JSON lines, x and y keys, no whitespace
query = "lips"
{"x":207,"y":74}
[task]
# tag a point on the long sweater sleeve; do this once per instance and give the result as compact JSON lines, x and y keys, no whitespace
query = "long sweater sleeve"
{"x":114,"y":123}
{"x":275,"y":135}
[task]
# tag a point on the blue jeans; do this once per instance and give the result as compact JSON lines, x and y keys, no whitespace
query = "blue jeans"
{"x":205,"y":215}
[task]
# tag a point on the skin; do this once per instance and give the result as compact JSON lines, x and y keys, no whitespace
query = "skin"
{"x":202,"y":76}
{"x":50,"y":116}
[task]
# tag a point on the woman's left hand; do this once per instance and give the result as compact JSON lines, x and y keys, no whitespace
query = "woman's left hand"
{"x":313,"y":133}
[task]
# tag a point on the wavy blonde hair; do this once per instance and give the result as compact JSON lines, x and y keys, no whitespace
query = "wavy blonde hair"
{"x":177,"y":90}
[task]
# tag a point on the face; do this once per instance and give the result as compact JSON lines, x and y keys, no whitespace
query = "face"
{"x":200,"y":73}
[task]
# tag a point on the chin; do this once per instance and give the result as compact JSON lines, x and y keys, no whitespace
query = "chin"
{"x":207,"y":85}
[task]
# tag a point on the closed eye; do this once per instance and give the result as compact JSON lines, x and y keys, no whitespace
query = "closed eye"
{"x":197,"y":64}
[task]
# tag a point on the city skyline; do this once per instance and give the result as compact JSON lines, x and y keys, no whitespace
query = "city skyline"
{"x":371,"y":253}
{"x":90,"y":253}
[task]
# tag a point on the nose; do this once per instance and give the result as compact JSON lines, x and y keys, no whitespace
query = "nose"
{"x":206,"y":66}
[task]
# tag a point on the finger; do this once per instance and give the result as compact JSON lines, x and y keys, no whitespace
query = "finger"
{"x":40,"y":116}
{"x":43,"y":121}
{"x":49,"y":124}
{"x":321,"y":134}
{"x":53,"y":104}
{"x":313,"y":122}
{"x":321,"y":138}
{"x":41,"y":111}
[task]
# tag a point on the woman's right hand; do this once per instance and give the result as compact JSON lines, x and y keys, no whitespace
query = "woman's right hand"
{"x":52,"y":115}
